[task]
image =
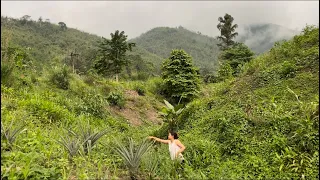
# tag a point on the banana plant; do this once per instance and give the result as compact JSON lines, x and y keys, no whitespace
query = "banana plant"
{"x":171,"y":113}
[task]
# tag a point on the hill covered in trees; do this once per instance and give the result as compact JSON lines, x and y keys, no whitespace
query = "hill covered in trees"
{"x":162,"y":40}
{"x":48,"y":43}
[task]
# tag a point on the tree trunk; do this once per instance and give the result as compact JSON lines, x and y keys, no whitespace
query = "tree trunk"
{"x":117,"y":77}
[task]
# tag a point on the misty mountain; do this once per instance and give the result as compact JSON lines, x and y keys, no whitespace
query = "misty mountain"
{"x":162,"y":40}
{"x":261,"y":37}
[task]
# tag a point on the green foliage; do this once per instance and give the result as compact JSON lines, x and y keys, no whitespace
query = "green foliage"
{"x":60,"y":77}
{"x":161,"y":40}
{"x":132,"y":154}
{"x":72,"y":145}
{"x":227,"y":30}
{"x":113,"y":54}
{"x":47,"y":111}
{"x":225,"y":72}
{"x":140,"y":90}
{"x":93,"y":103}
{"x":47,"y":41}
{"x":264,"y":123}
{"x":88,"y":137}
{"x":138,"y":68}
{"x":265,"y":130}
{"x":7,"y":73}
{"x":116,"y":99}
{"x":181,"y":78}
{"x":237,"y":55}
{"x":10,"y":134}
{"x":170,"y":114}
{"x":155,"y":86}
{"x":151,"y":163}
{"x":287,"y":70}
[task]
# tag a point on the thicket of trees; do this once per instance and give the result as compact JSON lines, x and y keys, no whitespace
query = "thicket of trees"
{"x":233,"y":54}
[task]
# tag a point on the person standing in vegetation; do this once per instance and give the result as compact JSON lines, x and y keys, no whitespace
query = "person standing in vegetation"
{"x":175,"y":146}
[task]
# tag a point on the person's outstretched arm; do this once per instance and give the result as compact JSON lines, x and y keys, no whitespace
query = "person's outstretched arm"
{"x":159,"y":140}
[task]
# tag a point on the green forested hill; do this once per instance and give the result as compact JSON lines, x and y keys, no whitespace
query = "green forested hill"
{"x":162,"y":40}
{"x":47,"y":42}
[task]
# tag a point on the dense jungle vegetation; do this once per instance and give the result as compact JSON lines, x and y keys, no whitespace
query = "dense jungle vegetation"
{"x":64,"y":116}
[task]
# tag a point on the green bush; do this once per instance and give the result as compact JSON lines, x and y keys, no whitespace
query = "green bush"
{"x":287,"y":70}
{"x":7,"y":74}
{"x":60,"y":77}
{"x":225,"y":72}
{"x":46,"y":111}
{"x":181,"y":77}
{"x":140,"y":89}
{"x":116,"y":99}
{"x":142,"y":76}
{"x":155,"y":86}
{"x":92,"y":103}
{"x":236,"y":56}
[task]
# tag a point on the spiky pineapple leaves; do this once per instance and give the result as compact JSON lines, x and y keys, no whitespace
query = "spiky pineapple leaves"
{"x":132,"y":154}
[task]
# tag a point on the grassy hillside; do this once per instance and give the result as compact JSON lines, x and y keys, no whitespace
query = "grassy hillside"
{"x":89,"y":104}
{"x":162,"y":40}
{"x":262,"y":125}
{"x":261,"y":37}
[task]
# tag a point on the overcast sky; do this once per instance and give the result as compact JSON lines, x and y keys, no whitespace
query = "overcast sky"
{"x":136,"y":17}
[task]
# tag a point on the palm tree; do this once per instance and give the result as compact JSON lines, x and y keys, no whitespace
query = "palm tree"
{"x":227,"y":30}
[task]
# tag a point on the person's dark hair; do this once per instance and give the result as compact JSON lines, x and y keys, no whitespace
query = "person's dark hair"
{"x":174,"y":134}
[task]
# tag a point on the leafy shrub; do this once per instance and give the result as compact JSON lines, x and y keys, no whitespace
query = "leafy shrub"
{"x":225,"y":72}
{"x":236,"y":56}
{"x":7,"y":73}
{"x":142,"y":76}
{"x":140,"y":89}
{"x":211,"y":78}
{"x":287,"y":70}
{"x":94,"y":104}
{"x":116,"y":99}
{"x":155,"y":86}
{"x":45,"y":110}
{"x":180,"y":76}
{"x":60,"y":77}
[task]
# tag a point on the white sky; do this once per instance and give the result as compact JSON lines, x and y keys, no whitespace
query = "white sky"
{"x":136,"y":17}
